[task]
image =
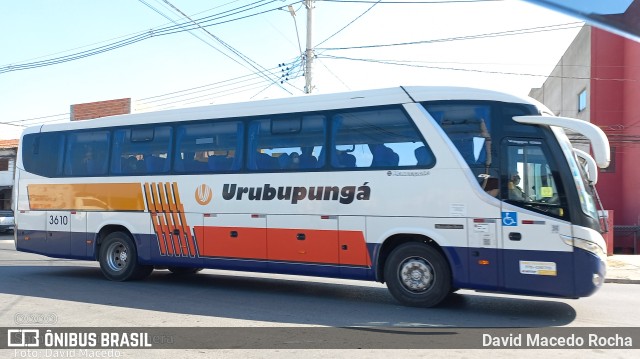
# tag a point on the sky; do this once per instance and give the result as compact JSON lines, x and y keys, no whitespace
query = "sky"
{"x":235,"y":52}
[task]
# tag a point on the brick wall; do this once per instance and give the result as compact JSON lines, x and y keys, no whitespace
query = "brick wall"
{"x":85,"y":111}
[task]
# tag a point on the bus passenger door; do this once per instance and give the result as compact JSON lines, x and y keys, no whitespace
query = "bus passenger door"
{"x":483,"y":253}
{"x":57,"y":240}
{"x":534,"y":221}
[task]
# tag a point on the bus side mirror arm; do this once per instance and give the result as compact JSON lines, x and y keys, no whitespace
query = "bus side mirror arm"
{"x":590,"y":166}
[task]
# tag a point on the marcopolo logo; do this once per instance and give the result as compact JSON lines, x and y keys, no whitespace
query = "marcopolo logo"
{"x":203,"y":194}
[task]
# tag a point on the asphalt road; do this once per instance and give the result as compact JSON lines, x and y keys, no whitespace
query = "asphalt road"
{"x":79,"y":296}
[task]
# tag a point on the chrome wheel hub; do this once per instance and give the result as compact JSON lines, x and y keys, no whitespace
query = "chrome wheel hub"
{"x":416,"y":275}
{"x":117,"y":257}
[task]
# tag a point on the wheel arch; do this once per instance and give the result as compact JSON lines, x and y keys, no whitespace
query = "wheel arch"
{"x":106,"y":230}
{"x":395,"y":240}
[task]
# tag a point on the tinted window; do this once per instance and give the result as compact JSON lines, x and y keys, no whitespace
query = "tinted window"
{"x":469,"y":127}
{"x":43,"y":153}
{"x":87,"y":153}
{"x":209,"y":147}
{"x":291,"y":143}
{"x":141,"y":150}
{"x":377,"y":139}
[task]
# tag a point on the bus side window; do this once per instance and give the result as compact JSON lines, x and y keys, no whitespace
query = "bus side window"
{"x":468,"y":126}
{"x":377,"y":139}
{"x":87,"y":153}
{"x":291,"y":143}
{"x":214,"y":147}
{"x":141,"y":150}
{"x":43,"y":153}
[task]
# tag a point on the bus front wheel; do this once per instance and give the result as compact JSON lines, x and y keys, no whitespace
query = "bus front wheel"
{"x":417,"y":275}
{"x":119,"y":258}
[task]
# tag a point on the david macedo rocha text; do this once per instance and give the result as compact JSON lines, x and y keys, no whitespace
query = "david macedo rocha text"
{"x":529,"y":340}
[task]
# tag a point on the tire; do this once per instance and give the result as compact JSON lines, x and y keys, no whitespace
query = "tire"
{"x":119,"y":259}
{"x":417,"y":275}
{"x":184,"y":270}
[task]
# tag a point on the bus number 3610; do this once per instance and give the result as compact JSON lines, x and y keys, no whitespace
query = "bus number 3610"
{"x":59,"y":220}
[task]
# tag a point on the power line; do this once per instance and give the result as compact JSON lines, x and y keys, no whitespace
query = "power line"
{"x":295,"y":24}
{"x":334,"y":75}
{"x":530,"y":30}
{"x":191,"y":94}
{"x":214,"y":93}
{"x":20,"y":123}
{"x":195,"y":35}
{"x":242,"y":56}
{"x":208,"y":21}
{"x":351,"y":22}
{"x":159,"y":99}
{"x":410,"y":64}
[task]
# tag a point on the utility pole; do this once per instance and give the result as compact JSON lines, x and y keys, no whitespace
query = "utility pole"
{"x":308,"y":87}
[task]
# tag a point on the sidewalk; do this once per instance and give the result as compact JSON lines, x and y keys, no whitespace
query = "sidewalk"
{"x":623,"y":268}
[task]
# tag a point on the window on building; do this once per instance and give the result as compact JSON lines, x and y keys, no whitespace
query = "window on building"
{"x":582,"y":100}
{"x":4,"y":164}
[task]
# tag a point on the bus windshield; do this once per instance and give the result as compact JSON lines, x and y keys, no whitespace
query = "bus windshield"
{"x":586,"y":198}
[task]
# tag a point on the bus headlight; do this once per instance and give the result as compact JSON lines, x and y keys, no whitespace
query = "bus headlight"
{"x":597,"y":280}
{"x":589,"y":246}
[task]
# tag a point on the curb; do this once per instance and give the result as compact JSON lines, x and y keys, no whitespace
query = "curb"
{"x":622,"y":281}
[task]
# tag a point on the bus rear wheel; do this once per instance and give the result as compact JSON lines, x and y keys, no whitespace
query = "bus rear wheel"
{"x":119,"y":258}
{"x":417,"y":275}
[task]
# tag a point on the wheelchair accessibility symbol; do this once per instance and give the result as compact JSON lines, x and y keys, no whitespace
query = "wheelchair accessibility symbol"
{"x":509,"y":219}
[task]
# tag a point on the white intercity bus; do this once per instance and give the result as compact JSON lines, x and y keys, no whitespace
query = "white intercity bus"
{"x":426,"y":189}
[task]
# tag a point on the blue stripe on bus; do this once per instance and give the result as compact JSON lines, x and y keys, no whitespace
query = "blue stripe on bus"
{"x":574,"y":272}
{"x":574,"y":277}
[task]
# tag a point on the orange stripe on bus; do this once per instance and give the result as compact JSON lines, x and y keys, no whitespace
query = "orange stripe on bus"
{"x":156,"y":197}
{"x":175,"y":222}
{"x":150,"y":205}
{"x":170,"y":197}
{"x":161,"y":243}
{"x":277,"y":244}
{"x":179,"y":205}
{"x":86,"y":196}
{"x":244,"y":243}
{"x":319,"y":246}
{"x":353,"y":248}
{"x":163,"y":200}
{"x":162,"y":206}
{"x":151,"y":200}
{"x":187,"y":230}
{"x":167,"y":235}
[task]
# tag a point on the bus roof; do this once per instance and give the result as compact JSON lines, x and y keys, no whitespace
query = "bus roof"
{"x":306,"y":103}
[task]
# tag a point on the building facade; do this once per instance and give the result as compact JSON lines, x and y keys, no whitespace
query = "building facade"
{"x":598,"y":80}
{"x":8,"y":151}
